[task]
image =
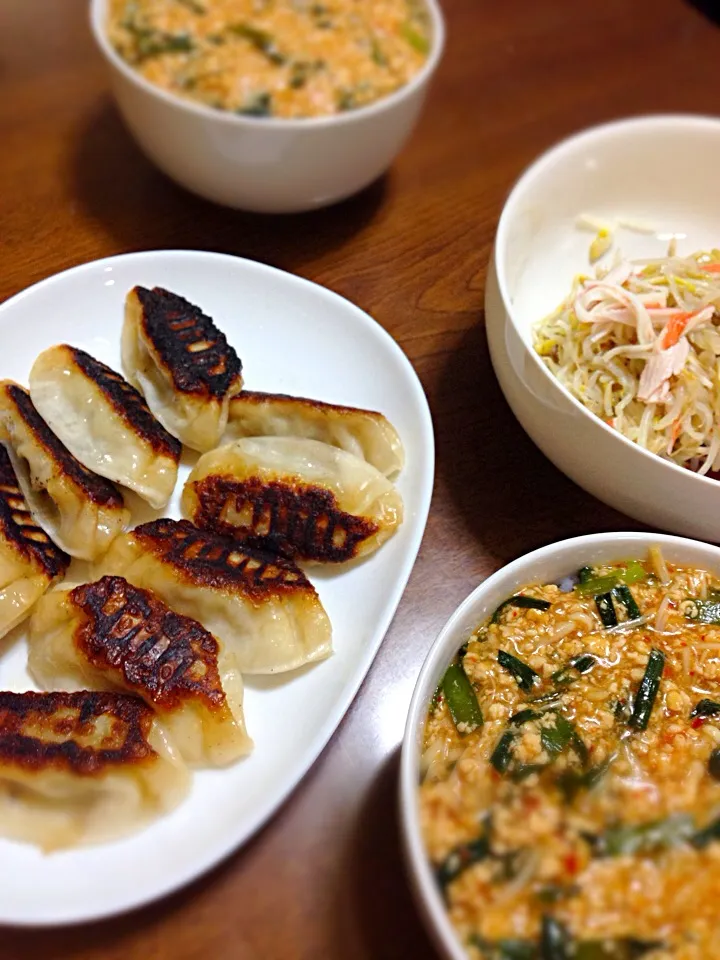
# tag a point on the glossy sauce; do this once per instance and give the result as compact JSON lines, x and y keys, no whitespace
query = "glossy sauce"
{"x":590,"y":824}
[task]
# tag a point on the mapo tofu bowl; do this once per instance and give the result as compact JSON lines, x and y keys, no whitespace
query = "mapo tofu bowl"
{"x":560,"y":774}
{"x":277,"y":107}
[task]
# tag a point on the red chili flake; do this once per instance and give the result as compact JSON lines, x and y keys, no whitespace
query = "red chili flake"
{"x":698,"y":722}
{"x":571,"y":863}
{"x":668,"y":671}
{"x":531,"y":801}
{"x":683,"y":644}
{"x":494,"y":775}
{"x":668,"y":737}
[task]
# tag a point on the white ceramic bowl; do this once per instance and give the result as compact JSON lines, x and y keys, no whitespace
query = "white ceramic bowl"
{"x":545,"y":565}
{"x":659,"y":170}
{"x":264,"y":164}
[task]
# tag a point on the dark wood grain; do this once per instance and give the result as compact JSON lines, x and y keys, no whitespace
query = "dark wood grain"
{"x":324,"y":879}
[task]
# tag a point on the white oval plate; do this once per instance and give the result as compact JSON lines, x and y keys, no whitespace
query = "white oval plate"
{"x":293,"y":337}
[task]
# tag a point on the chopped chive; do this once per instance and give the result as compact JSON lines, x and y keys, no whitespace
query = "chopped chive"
{"x":645,"y":838}
{"x":257,"y":106}
{"x":571,"y":782}
{"x":502,"y":754}
{"x":648,"y":690}
{"x":584,"y":662}
{"x":585,"y":574}
{"x":524,"y":770}
{"x":557,"y":738}
{"x":707,"y":835}
{"x":705,"y":708}
{"x":524,"y":675}
{"x":623,"y":594}
{"x":597,"y":585}
{"x":623,"y":949}
{"x":555,"y":940}
{"x":554,"y":892}
{"x":547,"y":700}
{"x":504,"y":949}
{"x":461,"y":699}
{"x":261,"y":40}
{"x":416,"y":40}
{"x":523,"y":716}
{"x":520,"y":600}
{"x":703,"y":611}
{"x":606,"y":609}
{"x":461,"y":858}
{"x":634,"y":572}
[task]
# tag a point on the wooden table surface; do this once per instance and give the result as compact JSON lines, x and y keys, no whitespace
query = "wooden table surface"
{"x":324,"y":879}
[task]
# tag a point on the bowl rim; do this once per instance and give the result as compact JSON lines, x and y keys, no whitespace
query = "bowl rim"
{"x":631,"y":125}
{"x":422,"y":881}
{"x":98,"y":11}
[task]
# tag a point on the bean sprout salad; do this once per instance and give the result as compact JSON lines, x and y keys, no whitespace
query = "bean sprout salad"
{"x":639,"y":346}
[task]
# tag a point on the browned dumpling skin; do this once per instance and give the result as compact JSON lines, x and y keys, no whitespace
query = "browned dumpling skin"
{"x":85,"y":767}
{"x":182,"y":364}
{"x":297,"y":498}
{"x":29,"y":561}
{"x":113,"y":635}
{"x":105,"y":422}
{"x":263,"y":610}
{"x":80,"y":511}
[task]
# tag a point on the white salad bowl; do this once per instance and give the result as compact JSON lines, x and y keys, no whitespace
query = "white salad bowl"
{"x":547,"y":565}
{"x":660,"y":172}
{"x":267,"y":165}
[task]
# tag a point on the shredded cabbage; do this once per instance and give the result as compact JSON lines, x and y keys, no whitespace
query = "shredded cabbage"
{"x":639,"y":346}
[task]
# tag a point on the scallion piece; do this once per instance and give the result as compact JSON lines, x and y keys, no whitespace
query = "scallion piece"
{"x":648,"y":690}
{"x":606,"y":609}
{"x":502,"y":754}
{"x":524,"y":675}
{"x":520,"y":600}
{"x":461,"y":700}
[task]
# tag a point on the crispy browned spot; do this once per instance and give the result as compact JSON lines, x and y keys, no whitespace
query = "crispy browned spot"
{"x":194,"y":352}
{"x":17,"y":525}
{"x":257,"y":398}
{"x":170,"y":658}
{"x":291,"y":520}
{"x":211,"y":561}
{"x":128,"y":403}
{"x":94,"y":487}
{"x":81,"y":732}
